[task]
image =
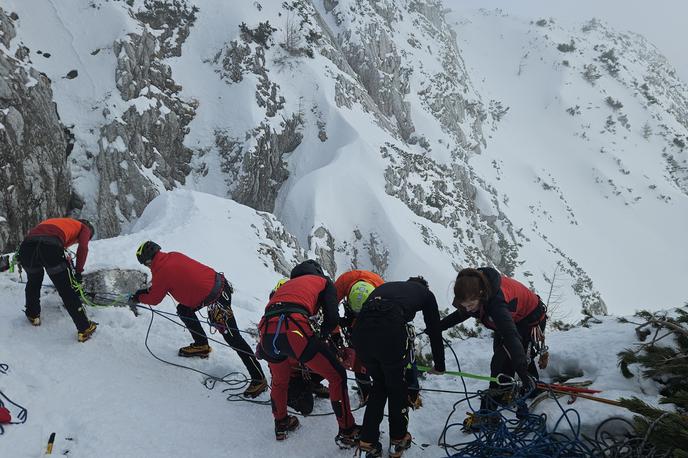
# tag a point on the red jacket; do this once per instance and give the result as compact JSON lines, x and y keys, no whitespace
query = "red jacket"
{"x":69,"y":231}
{"x":311,"y":292}
{"x":517,"y":296}
{"x":509,"y":303}
{"x":187,"y":280}
{"x":347,"y":280}
{"x":303,"y":291}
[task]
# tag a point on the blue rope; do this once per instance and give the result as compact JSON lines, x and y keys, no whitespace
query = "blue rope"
{"x":498,"y":433}
{"x":510,"y":430}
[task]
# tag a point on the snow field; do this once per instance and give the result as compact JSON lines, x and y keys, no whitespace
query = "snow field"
{"x":115,"y":400}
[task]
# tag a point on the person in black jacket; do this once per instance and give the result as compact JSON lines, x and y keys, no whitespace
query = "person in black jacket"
{"x":381,"y":339}
{"x":509,"y":308}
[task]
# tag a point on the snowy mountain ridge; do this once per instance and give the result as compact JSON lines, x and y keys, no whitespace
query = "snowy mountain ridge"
{"x":395,"y":136}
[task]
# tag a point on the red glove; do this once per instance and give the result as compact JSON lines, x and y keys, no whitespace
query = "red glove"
{"x":5,"y":416}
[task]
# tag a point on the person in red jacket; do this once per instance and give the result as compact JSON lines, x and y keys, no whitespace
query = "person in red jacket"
{"x":508,"y":307}
{"x":43,"y":249}
{"x":194,"y":286}
{"x":286,"y":337}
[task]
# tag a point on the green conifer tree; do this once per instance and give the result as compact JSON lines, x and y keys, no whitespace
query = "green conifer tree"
{"x":663,"y":358}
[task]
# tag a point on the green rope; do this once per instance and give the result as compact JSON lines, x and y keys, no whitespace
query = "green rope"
{"x":462,"y":374}
{"x":79,"y":288}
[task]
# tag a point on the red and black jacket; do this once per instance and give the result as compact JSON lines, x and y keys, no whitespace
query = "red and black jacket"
{"x":66,"y":232}
{"x":188,"y":281}
{"x":310,"y":293}
{"x":510,"y":302}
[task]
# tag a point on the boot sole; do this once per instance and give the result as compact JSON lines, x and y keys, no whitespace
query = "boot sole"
{"x":195,"y":356}
{"x":345,"y":444}
{"x":254,"y":395}
{"x":400,"y":453}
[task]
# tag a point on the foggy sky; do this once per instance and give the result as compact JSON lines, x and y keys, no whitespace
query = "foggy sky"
{"x":662,"y":22}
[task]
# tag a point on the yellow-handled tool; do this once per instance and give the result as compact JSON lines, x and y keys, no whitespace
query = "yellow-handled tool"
{"x":51,"y":440}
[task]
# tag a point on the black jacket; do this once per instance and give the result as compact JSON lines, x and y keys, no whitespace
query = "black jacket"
{"x":497,"y":310}
{"x":403,"y":299}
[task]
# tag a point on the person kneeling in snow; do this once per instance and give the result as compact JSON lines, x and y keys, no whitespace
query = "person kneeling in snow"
{"x":515,"y":313}
{"x":43,"y":248}
{"x":194,"y":286}
{"x":286,"y":337}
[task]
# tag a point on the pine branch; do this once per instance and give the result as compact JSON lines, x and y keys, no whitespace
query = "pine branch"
{"x":673,"y":326}
{"x":667,"y":431}
{"x":626,"y":357}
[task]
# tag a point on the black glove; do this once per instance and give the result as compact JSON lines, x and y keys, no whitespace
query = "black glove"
{"x":527,"y":383}
{"x":135,"y":297}
{"x":77,"y":276}
{"x":336,"y":340}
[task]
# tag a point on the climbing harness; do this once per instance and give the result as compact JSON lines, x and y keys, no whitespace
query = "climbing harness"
{"x":276,"y":350}
{"x":219,"y":310}
{"x":539,"y":347}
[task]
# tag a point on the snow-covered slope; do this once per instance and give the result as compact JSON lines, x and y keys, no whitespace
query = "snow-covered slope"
{"x":108,"y":397}
{"x":586,"y":147}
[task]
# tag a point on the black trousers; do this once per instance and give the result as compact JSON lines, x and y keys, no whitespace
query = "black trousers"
{"x":380,"y":343}
{"x":39,"y":256}
{"x":231,"y":334}
{"x":501,"y":360}
{"x":364,"y":384}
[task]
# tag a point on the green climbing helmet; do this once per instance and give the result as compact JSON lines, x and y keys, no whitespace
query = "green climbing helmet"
{"x":358,"y":294}
{"x":279,"y":284}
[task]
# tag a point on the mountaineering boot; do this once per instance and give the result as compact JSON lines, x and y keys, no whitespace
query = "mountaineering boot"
{"x":414,"y":400}
{"x":283,"y":426}
{"x":347,"y":438}
{"x":83,"y":336}
{"x":481,"y":420}
{"x":34,"y":320}
{"x":369,"y":450}
{"x":195,"y":350}
{"x":397,"y":447}
{"x":255,"y":388}
{"x":320,"y":390}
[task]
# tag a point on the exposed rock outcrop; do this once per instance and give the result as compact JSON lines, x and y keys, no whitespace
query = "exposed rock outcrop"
{"x":141,"y":152}
{"x":34,"y":177}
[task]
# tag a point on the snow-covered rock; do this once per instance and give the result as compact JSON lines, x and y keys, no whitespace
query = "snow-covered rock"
{"x":388,"y":135}
{"x":34,"y":176}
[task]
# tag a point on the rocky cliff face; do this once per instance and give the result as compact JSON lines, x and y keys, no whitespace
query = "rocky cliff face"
{"x":385,"y":43}
{"x":34,"y":177}
{"x":303,"y":88}
{"x":141,"y":151}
